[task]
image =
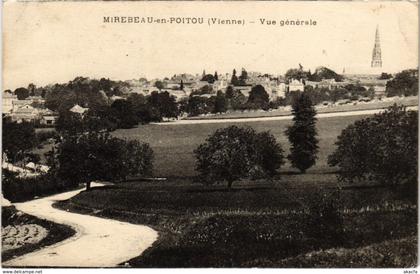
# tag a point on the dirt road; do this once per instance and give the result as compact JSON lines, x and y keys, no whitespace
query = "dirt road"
{"x":98,"y":242}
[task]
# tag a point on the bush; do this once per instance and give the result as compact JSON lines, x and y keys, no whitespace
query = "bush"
{"x":381,"y":148}
{"x":43,"y":136}
{"x":98,"y":156}
{"x":405,"y":83}
{"x":18,"y":189}
{"x":17,"y":139}
{"x":233,"y":153}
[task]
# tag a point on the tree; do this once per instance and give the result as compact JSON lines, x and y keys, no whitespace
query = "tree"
{"x":208,"y":78}
{"x":159,"y":85}
{"x":404,"y":83}
{"x":297,"y":74}
{"x":234,"y":80}
{"x":17,"y":139}
{"x":220,"y":103}
{"x":69,"y":123}
{"x":22,"y":93}
{"x":382,"y":148}
{"x":302,"y":134}
{"x":181,"y":85}
{"x":229,"y":92}
{"x":216,"y":77}
{"x":31,"y":89}
{"x":98,"y":156}
{"x":385,"y":76}
{"x":258,"y":97}
{"x":164,"y":103}
{"x":232,"y":153}
{"x":198,"y":105}
{"x":238,"y":100}
{"x":243,"y":77}
{"x":325,"y":73}
{"x":125,"y":113}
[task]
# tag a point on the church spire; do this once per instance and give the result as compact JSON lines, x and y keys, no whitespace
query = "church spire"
{"x":376,"y":54}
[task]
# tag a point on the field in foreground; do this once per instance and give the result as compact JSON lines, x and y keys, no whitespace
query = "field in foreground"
{"x":22,"y":238}
{"x":173,"y":145}
{"x":291,"y":221}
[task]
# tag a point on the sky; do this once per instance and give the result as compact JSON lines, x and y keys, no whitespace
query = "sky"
{"x":53,"y":42}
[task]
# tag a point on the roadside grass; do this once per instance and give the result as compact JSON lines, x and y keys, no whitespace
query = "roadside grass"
{"x":56,"y":232}
{"x":258,"y":223}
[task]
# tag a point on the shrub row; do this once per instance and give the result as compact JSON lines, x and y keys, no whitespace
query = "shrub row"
{"x":18,"y":189}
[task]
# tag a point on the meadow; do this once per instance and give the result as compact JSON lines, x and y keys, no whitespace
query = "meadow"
{"x":173,"y":145}
{"x":291,"y":220}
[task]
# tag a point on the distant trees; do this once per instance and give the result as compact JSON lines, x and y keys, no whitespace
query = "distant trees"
{"x":302,"y":134}
{"x":382,"y":148}
{"x":404,"y":83}
{"x":385,"y":76}
{"x":232,"y":153}
{"x":297,"y":74}
{"x":198,"y":105}
{"x":159,"y":85}
{"x":234,"y":80}
{"x":98,"y":156}
{"x":220,"y":104}
{"x":124,"y":113}
{"x":325,"y":73}
{"x":22,"y":93}
{"x":164,"y":103}
{"x":258,"y":98}
{"x":17,"y":139}
{"x":209,"y":78}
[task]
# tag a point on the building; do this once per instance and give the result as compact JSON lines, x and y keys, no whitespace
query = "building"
{"x":7,"y":102}
{"x":296,"y":85}
{"x":17,"y":104}
{"x":26,"y":113}
{"x":49,"y":118}
{"x":376,"y":53}
{"x":78,"y":109}
{"x":329,"y":84}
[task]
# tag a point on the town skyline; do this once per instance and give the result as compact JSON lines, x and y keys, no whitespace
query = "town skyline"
{"x":62,"y":48}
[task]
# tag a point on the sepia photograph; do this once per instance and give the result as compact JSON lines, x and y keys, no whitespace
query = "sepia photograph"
{"x":209,"y":134}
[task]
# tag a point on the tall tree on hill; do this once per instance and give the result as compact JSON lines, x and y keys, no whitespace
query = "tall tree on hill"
{"x":216,"y":77}
{"x":302,"y":134}
{"x":243,"y":77}
{"x":234,"y":79}
{"x":181,"y":86}
{"x":220,"y":102}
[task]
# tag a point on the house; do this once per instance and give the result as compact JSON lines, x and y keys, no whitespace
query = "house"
{"x":49,"y":117}
{"x":7,"y":102}
{"x":26,"y":113}
{"x":17,"y":104}
{"x":296,"y":85}
{"x":78,"y":109}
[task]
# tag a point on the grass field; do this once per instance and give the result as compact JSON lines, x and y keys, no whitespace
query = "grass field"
{"x":271,"y":224}
{"x":174,"y":144}
{"x":284,"y":222}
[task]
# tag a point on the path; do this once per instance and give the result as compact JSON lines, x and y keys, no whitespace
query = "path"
{"x":98,"y":242}
{"x":274,"y":118}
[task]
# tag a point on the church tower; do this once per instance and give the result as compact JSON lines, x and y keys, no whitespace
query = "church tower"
{"x":376,"y":54}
